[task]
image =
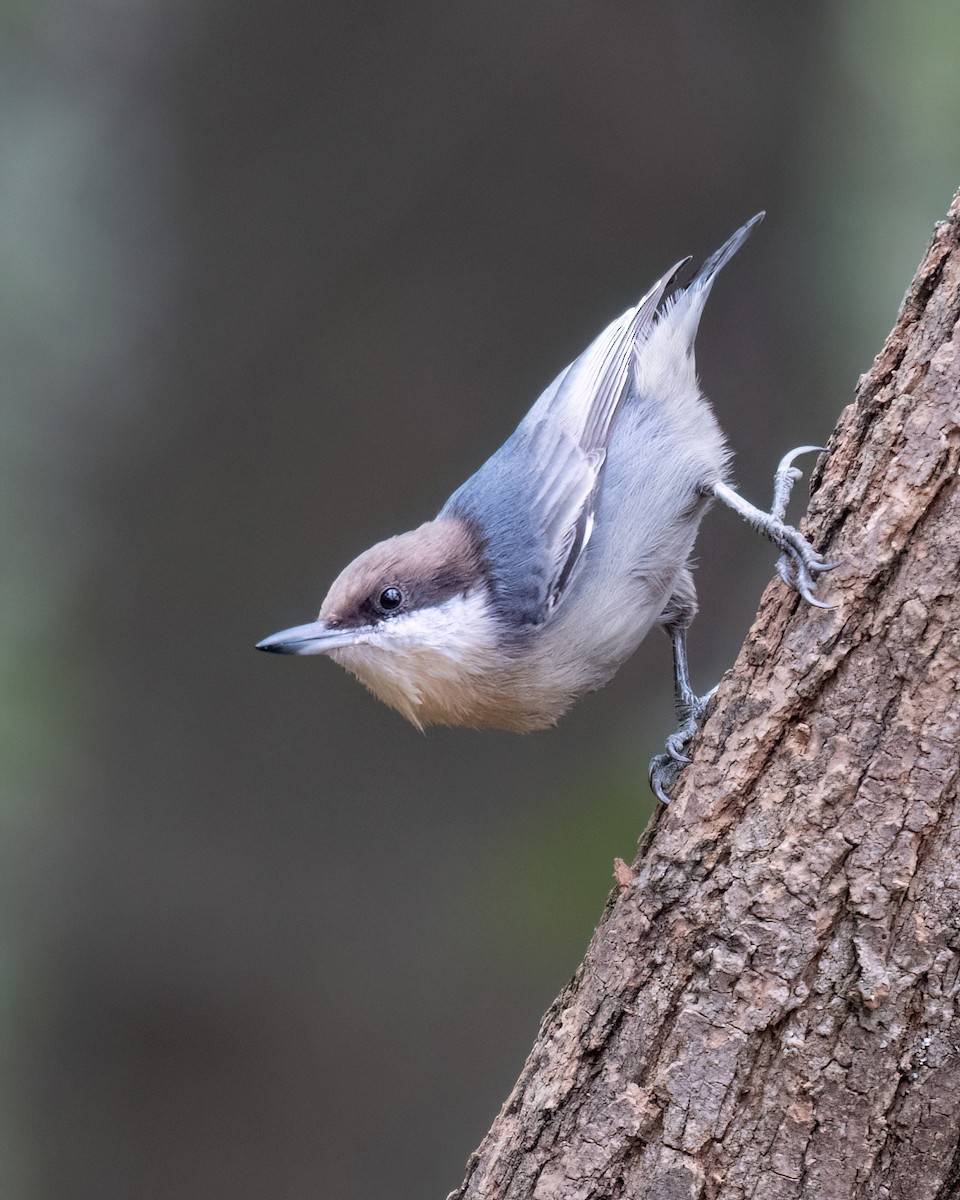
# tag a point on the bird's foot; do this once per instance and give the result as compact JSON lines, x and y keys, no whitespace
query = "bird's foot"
{"x":665,"y":768}
{"x":664,"y":773}
{"x":799,"y":565}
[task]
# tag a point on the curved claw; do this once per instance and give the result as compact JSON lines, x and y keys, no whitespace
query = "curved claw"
{"x":678,"y":741}
{"x":787,"y":571}
{"x":665,"y":768}
{"x":794,"y":541}
{"x":663,"y":774}
{"x":799,"y":562}
{"x":708,"y":696}
{"x":803,"y":588}
{"x":785,"y":476}
{"x":798,"y":569}
{"x":787,"y":461}
{"x":796,"y":576}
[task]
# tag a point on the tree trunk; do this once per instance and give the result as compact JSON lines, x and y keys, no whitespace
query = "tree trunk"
{"x":768,"y":1006}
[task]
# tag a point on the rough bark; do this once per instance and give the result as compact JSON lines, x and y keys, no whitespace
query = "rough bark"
{"x":768,"y":1006}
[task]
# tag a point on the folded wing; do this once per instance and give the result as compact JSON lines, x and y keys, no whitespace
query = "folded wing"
{"x":533,"y":503}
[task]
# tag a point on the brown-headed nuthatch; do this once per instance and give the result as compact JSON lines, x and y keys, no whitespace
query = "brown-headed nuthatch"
{"x":547,"y":568}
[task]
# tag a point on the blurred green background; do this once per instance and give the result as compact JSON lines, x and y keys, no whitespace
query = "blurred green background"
{"x":276,"y":278}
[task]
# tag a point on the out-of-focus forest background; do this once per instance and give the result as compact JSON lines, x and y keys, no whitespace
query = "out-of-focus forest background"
{"x":276,"y":278}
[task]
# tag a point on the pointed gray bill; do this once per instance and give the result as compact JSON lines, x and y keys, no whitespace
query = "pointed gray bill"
{"x":315,"y":638}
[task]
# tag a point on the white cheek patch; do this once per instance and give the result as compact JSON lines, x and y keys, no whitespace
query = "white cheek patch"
{"x":425,"y":661}
{"x":460,"y":625}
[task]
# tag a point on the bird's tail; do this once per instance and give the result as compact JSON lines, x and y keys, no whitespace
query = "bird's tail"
{"x":703,"y":280}
{"x":684,"y":308}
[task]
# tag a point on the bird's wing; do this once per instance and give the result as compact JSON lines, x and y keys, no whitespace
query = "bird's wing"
{"x":530,"y":507}
{"x":533,"y":502}
{"x":569,"y":435}
{"x":584,"y":397}
{"x":567,"y":486}
{"x":679,"y":318}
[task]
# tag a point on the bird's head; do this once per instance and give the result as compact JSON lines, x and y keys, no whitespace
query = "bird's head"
{"x":411,"y":618}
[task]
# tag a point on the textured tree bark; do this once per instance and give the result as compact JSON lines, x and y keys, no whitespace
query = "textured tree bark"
{"x":768,"y":1008}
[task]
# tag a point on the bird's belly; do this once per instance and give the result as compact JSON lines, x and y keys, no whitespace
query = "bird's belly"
{"x":435,"y":689}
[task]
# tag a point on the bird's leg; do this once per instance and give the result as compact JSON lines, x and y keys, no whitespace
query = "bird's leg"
{"x":689,"y":707}
{"x":799,"y":564}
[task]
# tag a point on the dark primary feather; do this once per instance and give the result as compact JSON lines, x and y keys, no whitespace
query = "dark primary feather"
{"x":607,"y":363}
{"x":719,"y":259}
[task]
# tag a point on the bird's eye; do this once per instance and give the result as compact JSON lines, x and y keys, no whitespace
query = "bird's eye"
{"x":390,"y":599}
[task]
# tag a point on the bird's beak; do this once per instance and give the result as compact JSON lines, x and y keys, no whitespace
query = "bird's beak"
{"x":315,"y":638}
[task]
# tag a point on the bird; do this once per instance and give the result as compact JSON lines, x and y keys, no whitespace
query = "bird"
{"x":545,"y":570}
